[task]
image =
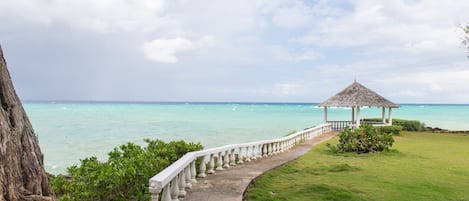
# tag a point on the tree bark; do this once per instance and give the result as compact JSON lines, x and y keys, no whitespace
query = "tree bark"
{"x":22,"y":173}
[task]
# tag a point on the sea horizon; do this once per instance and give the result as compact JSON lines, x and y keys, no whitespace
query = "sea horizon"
{"x":208,"y":102}
{"x":69,"y":131}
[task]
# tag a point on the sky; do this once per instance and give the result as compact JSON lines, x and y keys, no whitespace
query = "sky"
{"x":409,"y":51}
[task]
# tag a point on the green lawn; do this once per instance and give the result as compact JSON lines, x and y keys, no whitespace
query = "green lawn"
{"x":420,"y":166}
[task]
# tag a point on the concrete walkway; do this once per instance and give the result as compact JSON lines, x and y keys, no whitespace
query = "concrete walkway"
{"x":230,"y":184}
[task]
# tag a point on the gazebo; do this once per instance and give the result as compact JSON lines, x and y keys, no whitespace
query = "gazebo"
{"x":356,"y":96}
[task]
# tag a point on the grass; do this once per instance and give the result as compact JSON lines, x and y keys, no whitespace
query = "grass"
{"x":420,"y":166}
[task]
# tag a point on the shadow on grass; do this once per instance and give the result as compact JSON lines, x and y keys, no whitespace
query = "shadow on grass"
{"x":328,"y":192}
{"x":307,"y":192}
{"x":391,"y":152}
{"x":324,"y":169}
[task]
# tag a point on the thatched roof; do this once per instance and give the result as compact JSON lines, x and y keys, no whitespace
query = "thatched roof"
{"x":357,"y":95}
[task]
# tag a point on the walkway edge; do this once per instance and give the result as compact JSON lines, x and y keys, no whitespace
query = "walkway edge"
{"x":232,"y":184}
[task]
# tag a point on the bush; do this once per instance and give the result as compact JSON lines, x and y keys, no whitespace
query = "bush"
{"x":363,"y":140}
{"x":395,"y":130}
{"x":407,"y":125}
{"x":124,"y":176}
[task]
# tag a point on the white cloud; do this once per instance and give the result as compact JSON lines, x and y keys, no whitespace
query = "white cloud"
{"x":286,"y":89}
{"x":261,"y":41}
{"x":391,"y":25}
{"x":103,"y":16}
{"x":284,"y":54}
{"x":293,"y":16}
{"x":164,"y":50}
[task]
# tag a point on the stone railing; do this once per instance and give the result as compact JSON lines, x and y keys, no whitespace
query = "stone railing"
{"x":172,"y":182}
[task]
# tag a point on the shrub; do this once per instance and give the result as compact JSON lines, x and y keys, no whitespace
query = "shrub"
{"x":363,"y":140}
{"x":124,"y":176}
{"x":407,"y":125}
{"x":395,"y":130}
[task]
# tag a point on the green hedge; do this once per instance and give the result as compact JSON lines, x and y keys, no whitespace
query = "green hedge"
{"x":124,"y":176}
{"x":395,"y":130}
{"x":407,"y":125}
{"x":363,"y":140}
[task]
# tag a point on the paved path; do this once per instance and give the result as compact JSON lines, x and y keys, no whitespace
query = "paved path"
{"x":230,"y":184}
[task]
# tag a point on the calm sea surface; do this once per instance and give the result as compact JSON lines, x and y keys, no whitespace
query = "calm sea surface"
{"x":71,"y":131}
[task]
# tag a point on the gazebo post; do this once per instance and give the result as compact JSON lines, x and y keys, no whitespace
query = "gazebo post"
{"x":358,"y":117}
{"x":353,"y":114}
{"x":390,"y":116}
{"x":383,"y":116}
{"x":325,"y":114}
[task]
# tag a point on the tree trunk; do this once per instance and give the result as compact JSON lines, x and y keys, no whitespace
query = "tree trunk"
{"x":22,"y":174}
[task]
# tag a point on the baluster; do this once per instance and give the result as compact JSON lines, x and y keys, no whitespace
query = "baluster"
{"x":202,"y":168}
{"x":219,"y":162}
{"x":253,"y":155}
{"x":193,"y":172}
{"x":227,"y":159}
{"x":248,"y":158}
{"x":182,"y":184}
{"x":274,"y":148}
{"x":240,"y":156}
{"x":211,"y":164}
{"x":155,"y":191}
{"x":264,"y":152}
{"x":259,"y":151}
{"x":188,"y":178}
{"x":270,"y":149}
{"x":175,"y":189}
{"x":232,"y":158}
{"x":166,"y":196}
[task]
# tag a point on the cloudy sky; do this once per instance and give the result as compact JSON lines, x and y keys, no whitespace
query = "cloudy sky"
{"x":248,"y":50}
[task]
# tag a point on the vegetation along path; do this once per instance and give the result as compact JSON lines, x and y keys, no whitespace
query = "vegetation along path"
{"x":420,"y":166}
{"x":229,"y":185}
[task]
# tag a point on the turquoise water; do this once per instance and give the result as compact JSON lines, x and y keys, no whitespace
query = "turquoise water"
{"x":70,"y":131}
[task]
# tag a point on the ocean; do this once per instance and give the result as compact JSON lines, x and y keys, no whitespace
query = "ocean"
{"x":69,"y":131}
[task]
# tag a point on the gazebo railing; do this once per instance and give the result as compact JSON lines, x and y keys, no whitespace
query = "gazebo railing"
{"x":339,"y":125}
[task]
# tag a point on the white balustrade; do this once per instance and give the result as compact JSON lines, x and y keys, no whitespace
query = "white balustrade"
{"x":172,"y":182}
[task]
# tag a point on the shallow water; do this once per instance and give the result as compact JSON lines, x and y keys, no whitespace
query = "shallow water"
{"x":70,"y":131}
